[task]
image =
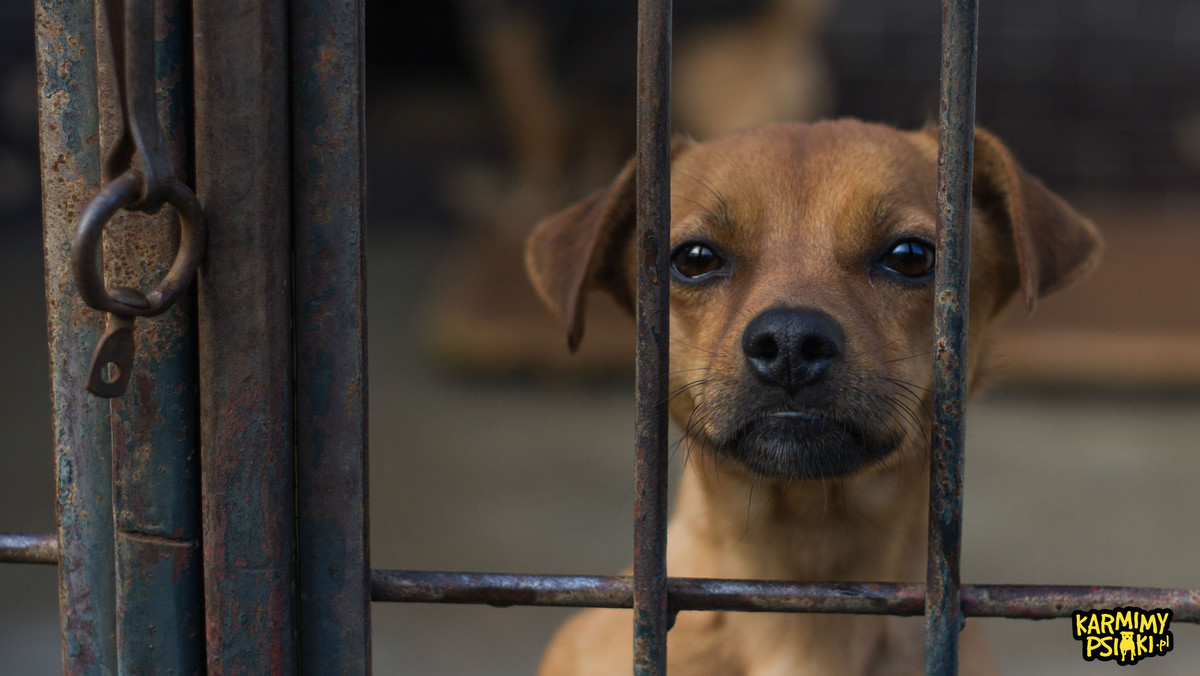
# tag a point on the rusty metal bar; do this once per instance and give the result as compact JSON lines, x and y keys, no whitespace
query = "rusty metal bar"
{"x":1043,"y":602}
{"x":1036,"y":602}
{"x":499,"y":589}
{"x":650,"y":613}
{"x":943,"y":616}
{"x":330,"y":336}
{"x":70,"y":160}
{"x":617,"y":592}
{"x":244,"y":316}
{"x":23,"y":548}
{"x":156,"y":462}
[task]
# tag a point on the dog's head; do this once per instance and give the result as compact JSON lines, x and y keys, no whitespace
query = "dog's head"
{"x":802,"y":283}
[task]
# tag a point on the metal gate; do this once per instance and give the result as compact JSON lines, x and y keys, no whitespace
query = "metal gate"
{"x":252,"y":556}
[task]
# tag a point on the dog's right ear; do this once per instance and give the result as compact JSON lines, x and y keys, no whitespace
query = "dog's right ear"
{"x":587,"y":247}
{"x":1055,"y":245}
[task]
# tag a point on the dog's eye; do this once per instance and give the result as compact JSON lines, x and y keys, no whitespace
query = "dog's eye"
{"x":909,"y":258}
{"x":693,"y":260}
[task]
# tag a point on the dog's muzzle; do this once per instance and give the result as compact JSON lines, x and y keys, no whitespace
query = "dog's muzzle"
{"x":794,"y":422}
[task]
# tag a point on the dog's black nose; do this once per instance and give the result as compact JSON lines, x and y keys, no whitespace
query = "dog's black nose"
{"x":791,"y":348}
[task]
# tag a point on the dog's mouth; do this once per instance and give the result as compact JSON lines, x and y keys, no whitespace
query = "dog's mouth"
{"x":792,"y":444}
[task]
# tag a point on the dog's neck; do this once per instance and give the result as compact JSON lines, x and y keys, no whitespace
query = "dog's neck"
{"x":867,"y":527}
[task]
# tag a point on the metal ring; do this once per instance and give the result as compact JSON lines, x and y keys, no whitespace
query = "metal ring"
{"x":85,"y":260}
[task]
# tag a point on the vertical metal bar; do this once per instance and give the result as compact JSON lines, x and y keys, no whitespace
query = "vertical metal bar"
{"x":943,"y":612}
{"x":156,"y":464}
{"x":331,"y":381}
{"x":653,"y":286}
{"x":70,"y":161}
{"x":245,"y":333}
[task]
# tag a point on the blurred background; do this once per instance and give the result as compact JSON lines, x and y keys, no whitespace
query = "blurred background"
{"x":492,"y":450}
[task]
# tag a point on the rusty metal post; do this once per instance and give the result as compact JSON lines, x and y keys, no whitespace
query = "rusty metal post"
{"x":956,"y":140}
{"x":244,"y":320}
{"x":70,"y":177}
{"x":156,"y":464}
{"x":330,"y":336}
{"x":651,"y":615}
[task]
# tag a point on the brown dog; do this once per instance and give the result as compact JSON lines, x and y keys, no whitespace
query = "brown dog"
{"x":801,"y":328}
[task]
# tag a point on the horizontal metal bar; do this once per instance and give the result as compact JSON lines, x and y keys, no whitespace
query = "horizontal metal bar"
{"x":1044,"y":602}
{"x":502,"y":590}
{"x":1031,"y":602}
{"x":1035,"y":602}
{"x":582,"y":591}
{"x":21,"y":548}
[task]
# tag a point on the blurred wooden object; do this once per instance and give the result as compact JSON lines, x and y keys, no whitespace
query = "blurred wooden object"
{"x":750,"y":63}
{"x":484,"y":319}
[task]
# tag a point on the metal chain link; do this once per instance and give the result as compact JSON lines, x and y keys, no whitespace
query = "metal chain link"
{"x":139,"y":176}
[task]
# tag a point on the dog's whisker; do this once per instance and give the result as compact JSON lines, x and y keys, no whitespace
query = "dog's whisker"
{"x":906,"y":383}
{"x":884,"y":416}
{"x":743,"y":312}
{"x":841,"y":492}
{"x":824,"y":497}
{"x":684,"y":388}
{"x":765,"y":498}
{"x":694,"y":347}
{"x":696,"y":418}
{"x":911,"y":356}
{"x":698,"y":368}
{"x":693,"y":419}
{"x":910,"y":396}
{"x":911,"y":400}
{"x":750,"y":504}
{"x":881,"y":348}
{"x":911,"y":423}
{"x":921,"y":400}
{"x":905,"y":405}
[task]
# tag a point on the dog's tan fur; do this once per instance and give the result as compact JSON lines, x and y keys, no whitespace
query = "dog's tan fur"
{"x":799,"y":213}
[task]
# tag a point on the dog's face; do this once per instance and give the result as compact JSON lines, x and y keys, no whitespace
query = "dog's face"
{"x":802,"y":296}
{"x":802,"y":283}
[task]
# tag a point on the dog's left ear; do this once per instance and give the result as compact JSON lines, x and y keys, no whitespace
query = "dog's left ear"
{"x":1055,"y":245}
{"x":585,"y":247}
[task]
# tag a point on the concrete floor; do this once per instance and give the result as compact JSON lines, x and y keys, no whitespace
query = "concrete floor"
{"x":522,"y":476}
